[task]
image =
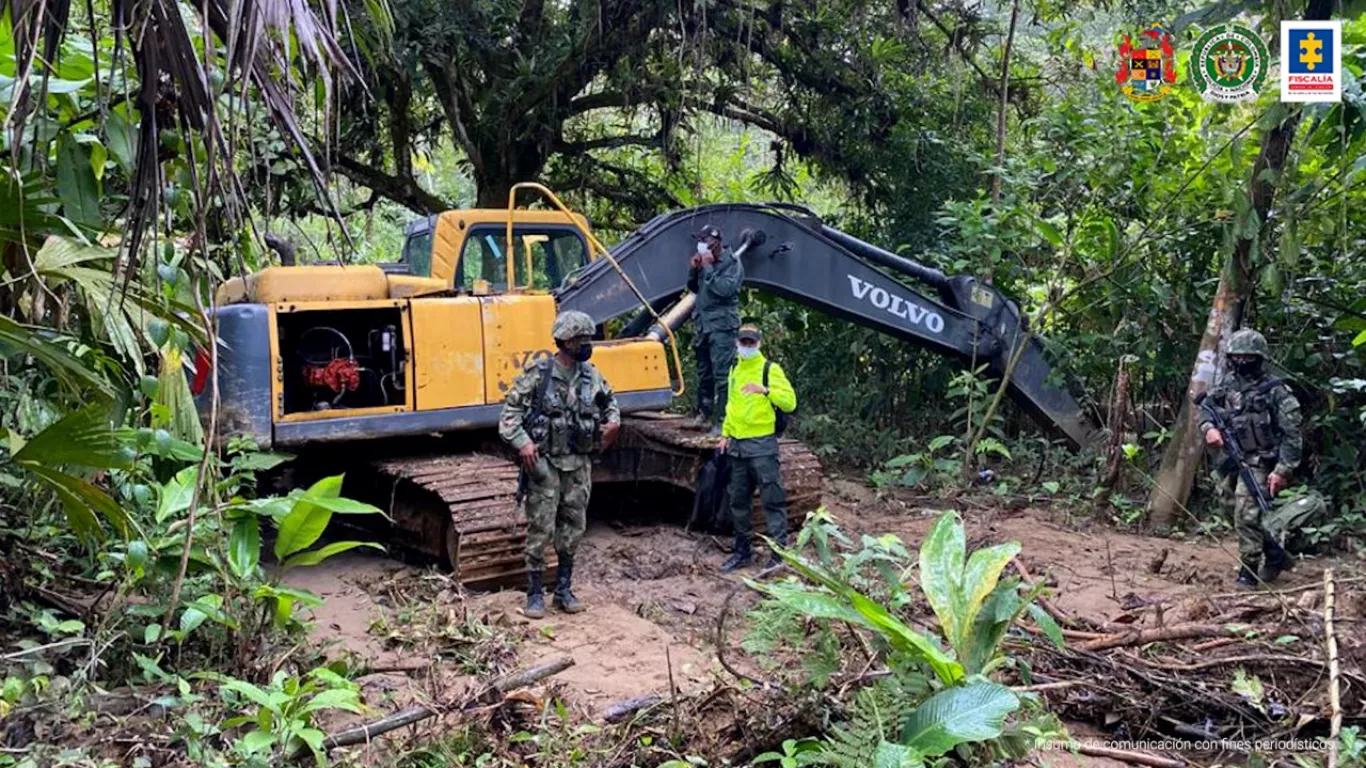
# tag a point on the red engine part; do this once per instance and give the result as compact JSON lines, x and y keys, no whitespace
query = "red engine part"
{"x":340,"y":375}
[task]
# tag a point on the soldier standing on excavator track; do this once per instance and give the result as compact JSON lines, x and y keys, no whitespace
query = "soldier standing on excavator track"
{"x":760,"y":391}
{"x":715,"y":277}
{"x":557,"y":413}
{"x":1264,"y":416}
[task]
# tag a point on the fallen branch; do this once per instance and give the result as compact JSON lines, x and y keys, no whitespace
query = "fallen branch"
{"x":493,"y":692}
{"x":1334,"y":692}
{"x":1145,"y":636}
{"x":1290,"y":590}
{"x":1054,"y":611}
{"x":618,"y":711}
{"x":1133,"y":758}
{"x":400,"y":668}
{"x":1058,"y":686}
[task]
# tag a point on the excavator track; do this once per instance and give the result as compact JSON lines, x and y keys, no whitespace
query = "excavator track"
{"x":667,"y":448}
{"x":463,"y":509}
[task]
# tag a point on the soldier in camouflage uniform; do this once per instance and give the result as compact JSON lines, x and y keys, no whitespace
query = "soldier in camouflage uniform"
{"x":715,"y":277}
{"x":1265,"y":416}
{"x":556,"y":414}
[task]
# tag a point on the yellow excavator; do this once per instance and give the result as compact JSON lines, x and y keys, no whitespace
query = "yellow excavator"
{"x":395,"y":373}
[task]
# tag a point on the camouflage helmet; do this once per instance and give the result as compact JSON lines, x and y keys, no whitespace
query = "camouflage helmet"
{"x":1248,"y":342}
{"x":571,"y":324}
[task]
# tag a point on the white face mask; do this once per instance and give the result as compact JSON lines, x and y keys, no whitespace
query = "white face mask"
{"x":746,"y":353}
{"x":702,"y":248}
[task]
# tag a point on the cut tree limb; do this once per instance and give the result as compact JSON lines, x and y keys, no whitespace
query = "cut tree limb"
{"x":618,"y":711}
{"x":1133,"y":758}
{"x":1142,"y":637}
{"x":1052,"y":610}
{"x":490,"y":694}
{"x":1334,"y":691}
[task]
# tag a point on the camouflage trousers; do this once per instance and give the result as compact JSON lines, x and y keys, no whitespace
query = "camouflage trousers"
{"x":715,"y":351}
{"x":556,"y":508}
{"x":1247,"y":518}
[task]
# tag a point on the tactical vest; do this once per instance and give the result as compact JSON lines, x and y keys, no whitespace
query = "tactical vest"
{"x":1254,"y":419}
{"x":562,"y":421}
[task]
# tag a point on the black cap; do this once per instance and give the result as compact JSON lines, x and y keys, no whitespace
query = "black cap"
{"x":750,"y":332}
{"x":708,"y":231}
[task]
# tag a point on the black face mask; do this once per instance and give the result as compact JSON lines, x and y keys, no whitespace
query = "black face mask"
{"x":581,"y":354}
{"x":1250,"y":367}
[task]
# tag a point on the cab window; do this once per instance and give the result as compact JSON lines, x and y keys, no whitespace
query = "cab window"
{"x":417,"y":253}
{"x":555,"y":252}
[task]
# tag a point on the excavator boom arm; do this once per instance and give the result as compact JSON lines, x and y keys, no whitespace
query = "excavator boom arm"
{"x":789,"y":252}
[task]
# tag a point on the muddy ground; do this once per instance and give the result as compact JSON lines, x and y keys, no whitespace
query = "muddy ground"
{"x":654,"y":595}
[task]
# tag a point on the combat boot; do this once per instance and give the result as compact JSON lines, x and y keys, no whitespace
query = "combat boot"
{"x":1245,"y":578}
{"x":741,"y":558}
{"x":1274,"y":561}
{"x":535,"y":599}
{"x":564,"y":598}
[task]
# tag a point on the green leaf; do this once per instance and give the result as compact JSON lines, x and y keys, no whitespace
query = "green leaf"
{"x":151,"y":634}
{"x":248,"y":691}
{"x":307,"y":520}
{"x":121,"y":136}
{"x":343,"y":506}
{"x":313,"y":557}
{"x":975,"y":712}
{"x":81,"y":501}
{"x":889,"y":755}
{"x":942,"y":556}
{"x":1111,"y":237}
{"x":255,"y":742}
{"x":337,"y":698}
{"x":1052,"y":486}
{"x":76,"y":184}
{"x":1285,"y":640}
{"x":1048,"y":625}
{"x":259,"y":460}
{"x":244,"y":546}
{"x":1249,"y":687}
{"x":69,"y":369}
{"x":1360,"y":339}
{"x":206,"y":607}
{"x":177,"y":494}
{"x":82,"y":438}
{"x":940,"y":442}
{"x":1048,"y":232}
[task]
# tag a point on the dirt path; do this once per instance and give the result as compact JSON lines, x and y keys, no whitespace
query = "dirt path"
{"x":654,"y":595}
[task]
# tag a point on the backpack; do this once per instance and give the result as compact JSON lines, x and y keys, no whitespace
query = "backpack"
{"x":781,"y":419}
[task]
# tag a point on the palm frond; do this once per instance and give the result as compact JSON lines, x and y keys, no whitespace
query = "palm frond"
{"x":70,"y":370}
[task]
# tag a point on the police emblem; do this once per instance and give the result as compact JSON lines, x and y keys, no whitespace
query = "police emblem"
{"x":1229,"y":64}
{"x":1147,"y":67}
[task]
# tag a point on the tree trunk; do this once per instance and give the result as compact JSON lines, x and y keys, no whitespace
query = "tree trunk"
{"x":1176,"y":475}
{"x":1001,"y":111}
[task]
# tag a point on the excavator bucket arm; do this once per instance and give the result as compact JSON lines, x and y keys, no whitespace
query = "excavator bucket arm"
{"x":788,"y":251}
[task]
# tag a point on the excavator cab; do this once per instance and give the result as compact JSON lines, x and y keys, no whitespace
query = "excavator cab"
{"x":552,"y":249}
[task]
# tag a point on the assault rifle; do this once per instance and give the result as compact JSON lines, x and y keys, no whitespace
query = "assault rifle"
{"x":1276,"y":558}
{"x":1234,"y":451}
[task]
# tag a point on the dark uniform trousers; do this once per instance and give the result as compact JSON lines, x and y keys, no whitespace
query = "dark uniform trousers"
{"x":754,"y":462}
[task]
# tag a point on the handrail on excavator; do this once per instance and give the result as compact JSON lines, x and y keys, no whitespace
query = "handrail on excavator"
{"x":595,"y":248}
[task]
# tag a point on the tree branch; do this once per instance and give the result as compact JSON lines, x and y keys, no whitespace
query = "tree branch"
{"x":958,"y":46}
{"x":402,"y":190}
{"x":606,"y":142}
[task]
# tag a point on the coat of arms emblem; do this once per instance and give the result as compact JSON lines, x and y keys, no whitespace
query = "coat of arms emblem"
{"x":1147,"y":65}
{"x":1229,"y":64}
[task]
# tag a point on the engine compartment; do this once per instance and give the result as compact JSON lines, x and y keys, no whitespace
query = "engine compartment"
{"x":342,"y":359}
